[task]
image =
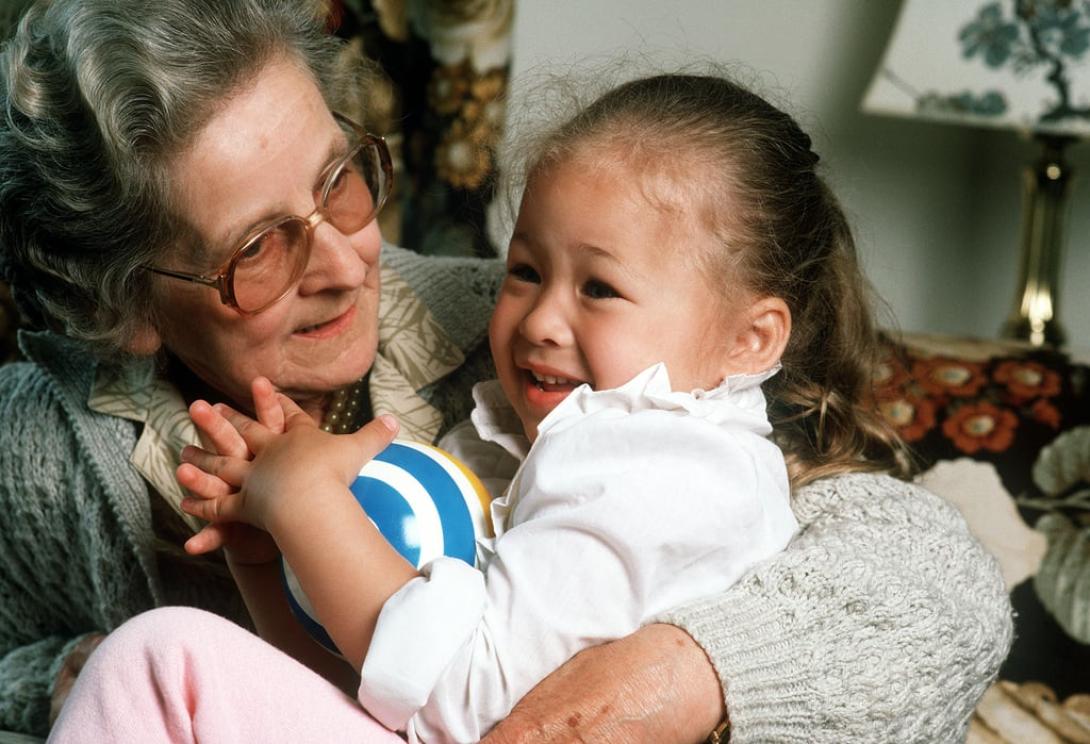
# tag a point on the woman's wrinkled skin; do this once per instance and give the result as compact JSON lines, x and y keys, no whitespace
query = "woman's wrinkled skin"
{"x":261,"y":156}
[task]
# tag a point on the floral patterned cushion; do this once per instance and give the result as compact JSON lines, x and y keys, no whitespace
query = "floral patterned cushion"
{"x":1002,"y":430}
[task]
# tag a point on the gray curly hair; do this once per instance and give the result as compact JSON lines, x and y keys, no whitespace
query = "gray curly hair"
{"x":96,"y":99}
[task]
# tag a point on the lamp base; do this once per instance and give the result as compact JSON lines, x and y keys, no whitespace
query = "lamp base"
{"x":1044,"y":193}
{"x":1038,"y":332}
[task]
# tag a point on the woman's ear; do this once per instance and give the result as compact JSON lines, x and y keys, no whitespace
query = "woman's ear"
{"x":762,"y":336}
{"x":145,"y":340}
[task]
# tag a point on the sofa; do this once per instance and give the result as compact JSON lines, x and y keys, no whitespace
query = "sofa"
{"x":1002,"y":430}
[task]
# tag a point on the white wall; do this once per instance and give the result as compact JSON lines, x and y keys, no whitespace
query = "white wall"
{"x":935,"y":207}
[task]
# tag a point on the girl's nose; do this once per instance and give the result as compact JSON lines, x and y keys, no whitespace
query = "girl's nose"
{"x":338,"y":261}
{"x":547,"y":323}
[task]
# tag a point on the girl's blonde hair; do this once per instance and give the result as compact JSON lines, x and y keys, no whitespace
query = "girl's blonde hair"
{"x":750,"y":173}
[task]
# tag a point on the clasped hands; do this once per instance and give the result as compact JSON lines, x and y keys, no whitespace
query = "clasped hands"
{"x":256,"y":472}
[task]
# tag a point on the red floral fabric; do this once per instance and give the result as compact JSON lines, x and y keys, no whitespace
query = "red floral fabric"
{"x":1014,"y":408}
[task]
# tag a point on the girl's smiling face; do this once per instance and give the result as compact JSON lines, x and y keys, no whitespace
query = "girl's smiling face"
{"x":601,"y":284}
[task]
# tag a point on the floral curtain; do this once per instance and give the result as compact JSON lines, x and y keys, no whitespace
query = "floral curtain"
{"x":443,"y":73}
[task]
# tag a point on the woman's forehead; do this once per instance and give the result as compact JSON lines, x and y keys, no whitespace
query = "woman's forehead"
{"x":258,"y":157}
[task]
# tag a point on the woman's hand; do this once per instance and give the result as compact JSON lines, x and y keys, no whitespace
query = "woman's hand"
{"x":654,"y":685}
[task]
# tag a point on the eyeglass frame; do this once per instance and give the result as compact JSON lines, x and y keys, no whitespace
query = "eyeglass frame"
{"x":223,"y":278}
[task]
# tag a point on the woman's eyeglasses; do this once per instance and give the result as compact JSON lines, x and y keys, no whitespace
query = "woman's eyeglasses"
{"x":270,"y":260}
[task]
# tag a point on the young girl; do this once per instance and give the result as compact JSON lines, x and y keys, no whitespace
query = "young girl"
{"x":673,"y":249}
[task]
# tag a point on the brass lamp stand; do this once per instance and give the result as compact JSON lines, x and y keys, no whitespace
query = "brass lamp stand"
{"x":1044,"y":193}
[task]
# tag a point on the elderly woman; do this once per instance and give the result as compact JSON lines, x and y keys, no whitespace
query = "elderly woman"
{"x":181,"y":211}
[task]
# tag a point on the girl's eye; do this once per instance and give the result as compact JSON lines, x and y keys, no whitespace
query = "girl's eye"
{"x":524,"y":273}
{"x":599,"y":290}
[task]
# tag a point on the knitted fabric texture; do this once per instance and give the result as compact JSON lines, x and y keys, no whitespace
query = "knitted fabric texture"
{"x":883,"y":622}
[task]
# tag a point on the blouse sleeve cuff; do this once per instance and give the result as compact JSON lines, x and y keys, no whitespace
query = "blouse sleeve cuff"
{"x":419,"y":631}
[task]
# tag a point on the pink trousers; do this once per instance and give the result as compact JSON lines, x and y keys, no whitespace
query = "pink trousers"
{"x":183,"y":675}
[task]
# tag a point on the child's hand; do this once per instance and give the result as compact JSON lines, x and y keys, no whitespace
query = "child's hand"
{"x":245,"y":544}
{"x":302,"y":463}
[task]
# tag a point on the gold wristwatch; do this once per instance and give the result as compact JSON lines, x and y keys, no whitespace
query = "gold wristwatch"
{"x":721,"y":734}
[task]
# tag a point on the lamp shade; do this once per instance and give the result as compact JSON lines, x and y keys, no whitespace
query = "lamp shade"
{"x":1020,"y":64}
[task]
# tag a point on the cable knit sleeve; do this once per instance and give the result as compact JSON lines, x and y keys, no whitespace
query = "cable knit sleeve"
{"x":60,"y":549}
{"x":883,"y":621}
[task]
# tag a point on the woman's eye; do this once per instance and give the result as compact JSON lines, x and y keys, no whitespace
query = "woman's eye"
{"x":599,"y":290}
{"x":338,"y":180}
{"x":266,"y":247}
{"x":253,"y":250}
{"x":524,"y":273}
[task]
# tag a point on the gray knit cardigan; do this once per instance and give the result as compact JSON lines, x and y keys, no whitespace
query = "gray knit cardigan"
{"x":883,"y":621}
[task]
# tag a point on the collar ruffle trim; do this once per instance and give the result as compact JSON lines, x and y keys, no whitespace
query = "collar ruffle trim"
{"x":737,"y":399}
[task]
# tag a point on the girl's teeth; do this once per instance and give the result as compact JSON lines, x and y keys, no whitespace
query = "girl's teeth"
{"x":550,"y":380}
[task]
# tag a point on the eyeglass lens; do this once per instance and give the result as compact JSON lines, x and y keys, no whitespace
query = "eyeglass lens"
{"x":270,"y":263}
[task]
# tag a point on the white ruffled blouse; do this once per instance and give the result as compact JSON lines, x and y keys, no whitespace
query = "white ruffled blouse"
{"x":632,"y":501}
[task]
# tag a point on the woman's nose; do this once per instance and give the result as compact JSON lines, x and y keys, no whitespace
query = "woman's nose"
{"x":338,"y":261}
{"x":547,"y":322}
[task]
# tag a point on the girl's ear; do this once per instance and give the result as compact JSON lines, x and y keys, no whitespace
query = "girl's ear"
{"x":144,"y":341}
{"x":762,"y":337}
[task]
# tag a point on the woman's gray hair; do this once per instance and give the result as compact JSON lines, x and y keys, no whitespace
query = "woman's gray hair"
{"x":96,"y":99}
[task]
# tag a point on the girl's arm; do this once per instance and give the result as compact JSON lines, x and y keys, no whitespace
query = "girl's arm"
{"x":262,"y":590}
{"x":252,"y":556}
{"x":296,"y":489}
{"x":344,"y":564}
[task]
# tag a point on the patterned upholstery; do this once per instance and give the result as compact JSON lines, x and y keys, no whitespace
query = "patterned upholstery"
{"x":1003,"y":431}
{"x":440,"y":104}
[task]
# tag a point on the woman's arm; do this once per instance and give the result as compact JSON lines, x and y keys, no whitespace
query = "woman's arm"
{"x":883,"y":621}
{"x":654,"y":685}
{"x":66,"y":573}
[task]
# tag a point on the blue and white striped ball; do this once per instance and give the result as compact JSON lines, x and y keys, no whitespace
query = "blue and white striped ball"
{"x":424,"y":501}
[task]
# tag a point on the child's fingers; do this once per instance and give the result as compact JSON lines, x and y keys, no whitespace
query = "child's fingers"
{"x":292,"y":413}
{"x":373,"y":438}
{"x":255,"y":434}
{"x":200,"y":483}
{"x":209,"y":475}
{"x":219,"y":509}
{"x":267,"y":405}
{"x":216,"y":432}
{"x":211,"y":537}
